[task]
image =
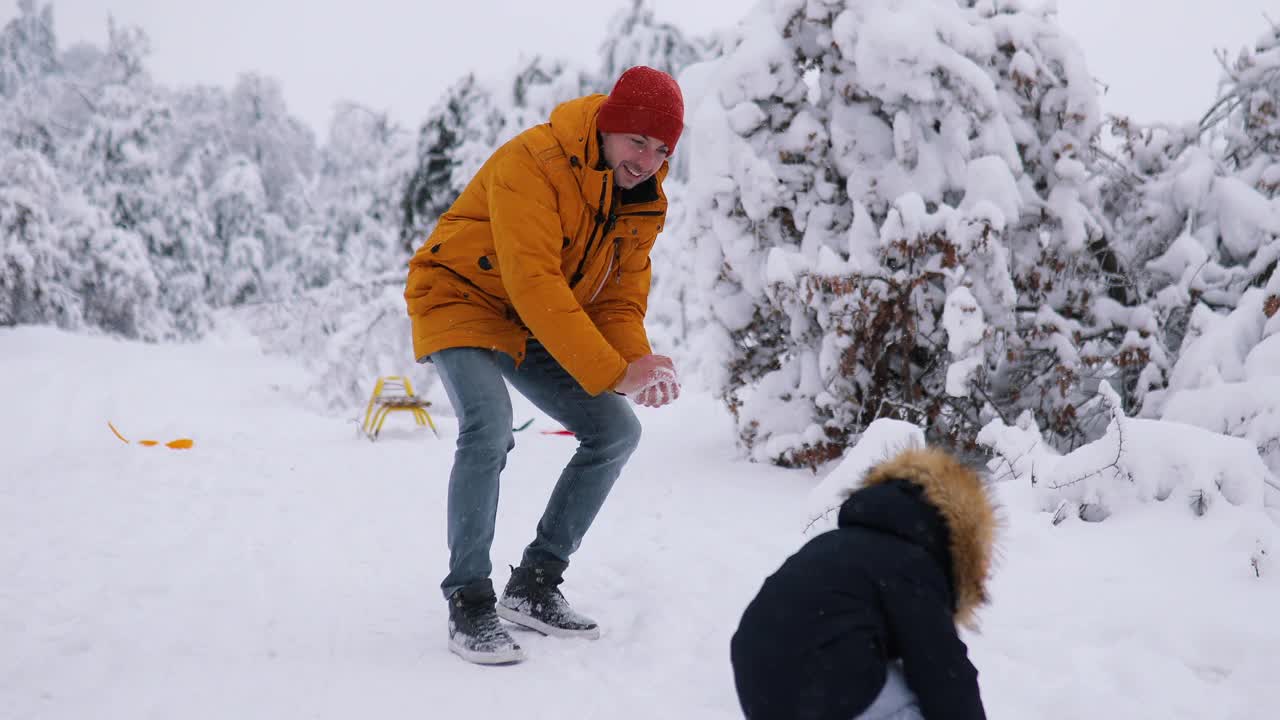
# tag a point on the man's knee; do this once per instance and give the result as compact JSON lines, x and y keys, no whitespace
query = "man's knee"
{"x":621,"y":435}
{"x":489,"y":435}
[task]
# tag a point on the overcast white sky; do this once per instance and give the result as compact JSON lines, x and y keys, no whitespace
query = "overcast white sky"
{"x":1155,"y":56}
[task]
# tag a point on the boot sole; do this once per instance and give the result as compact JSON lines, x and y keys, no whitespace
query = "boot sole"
{"x":509,"y":657}
{"x":528,"y":621}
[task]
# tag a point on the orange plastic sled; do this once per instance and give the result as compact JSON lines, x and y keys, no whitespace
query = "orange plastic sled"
{"x":178,"y":444}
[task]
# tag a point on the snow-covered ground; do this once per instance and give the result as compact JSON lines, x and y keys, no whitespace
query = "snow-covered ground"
{"x":285,"y":567}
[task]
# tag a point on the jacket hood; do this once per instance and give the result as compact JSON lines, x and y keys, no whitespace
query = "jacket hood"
{"x":573,"y":123}
{"x":945,"y":509}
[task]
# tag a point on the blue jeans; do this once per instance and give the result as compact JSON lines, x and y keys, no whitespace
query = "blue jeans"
{"x":605,"y":425}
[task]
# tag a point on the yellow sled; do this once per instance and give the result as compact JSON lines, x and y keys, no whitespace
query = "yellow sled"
{"x":392,"y":393}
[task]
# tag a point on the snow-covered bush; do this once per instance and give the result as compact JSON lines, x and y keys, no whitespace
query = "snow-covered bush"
{"x":1136,"y":461}
{"x":1227,"y":377}
{"x":1197,"y":208}
{"x":347,"y":335}
{"x":1142,"y":465}
{"x":894,"y":217}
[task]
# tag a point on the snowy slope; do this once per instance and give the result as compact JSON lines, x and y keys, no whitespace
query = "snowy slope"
{"x":287,"y":568}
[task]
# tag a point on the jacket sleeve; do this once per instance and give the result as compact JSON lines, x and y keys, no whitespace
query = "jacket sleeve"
{"x":934,"y":658}
{"x":620,"y":307}
{"x":527,"y":237}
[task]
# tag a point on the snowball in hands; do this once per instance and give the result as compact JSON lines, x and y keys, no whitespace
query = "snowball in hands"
{"x":650,"y":381}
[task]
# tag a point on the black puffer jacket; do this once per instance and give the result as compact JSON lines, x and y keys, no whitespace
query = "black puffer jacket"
{"x":908,"y":560}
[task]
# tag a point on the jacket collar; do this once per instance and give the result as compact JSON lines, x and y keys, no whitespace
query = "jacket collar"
{"x":573,"y":123}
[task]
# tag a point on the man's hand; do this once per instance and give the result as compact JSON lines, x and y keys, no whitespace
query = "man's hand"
{"x":650,"y":381}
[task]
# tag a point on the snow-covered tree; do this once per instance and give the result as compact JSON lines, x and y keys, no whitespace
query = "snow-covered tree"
{"x":152,"y":210}
{"x":1199,"y":209}
{"x":636,"y":37}
{"x":239,"y":205}
{"x":119,"y":165}
{"x":283,"y":148}
{"x":455,"y":139}
{"x":1197,"y":204}
{"x":28,"y":47}
{"x":36,"y":270}
{"x":29,"y":67}
{"x":894,"y":218}
{"x":539,"y":85}
{"x":38,"y":274}
{"x":366,"y":166}
{"x":330,"y":298}
{"x":102,"y":125}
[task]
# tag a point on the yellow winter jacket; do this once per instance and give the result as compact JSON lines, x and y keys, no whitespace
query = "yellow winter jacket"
{"x":542,"y":244}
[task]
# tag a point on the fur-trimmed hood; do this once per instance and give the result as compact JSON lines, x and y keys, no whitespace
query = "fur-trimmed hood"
{"x":958,"y":495}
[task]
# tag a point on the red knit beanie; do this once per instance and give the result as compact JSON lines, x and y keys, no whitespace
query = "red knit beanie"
{"x":646,"y":102}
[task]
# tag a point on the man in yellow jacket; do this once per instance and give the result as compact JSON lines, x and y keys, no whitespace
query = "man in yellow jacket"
{"x":538,"y":275}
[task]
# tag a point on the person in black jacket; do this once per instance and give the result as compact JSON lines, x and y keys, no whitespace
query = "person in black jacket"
{"x":861,"y":621}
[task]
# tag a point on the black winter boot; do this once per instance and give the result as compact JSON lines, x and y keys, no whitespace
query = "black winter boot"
{"x":475,"y":633}
{"x":533,"y":599}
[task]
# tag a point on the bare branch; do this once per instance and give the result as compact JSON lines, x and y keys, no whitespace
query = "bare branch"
{"x":1005,"y":459}
{"x":1117,"y":415}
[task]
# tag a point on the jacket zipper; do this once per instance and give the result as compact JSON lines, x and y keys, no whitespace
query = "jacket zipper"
{"x":615,"y":260}
{"x":608,"y":223}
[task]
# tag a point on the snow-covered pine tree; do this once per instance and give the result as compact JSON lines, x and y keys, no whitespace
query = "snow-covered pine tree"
{"x":459,"y":133}
{"x":537,"y":88}
{"x":636,"y":37}
{"x":894,"y":219}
